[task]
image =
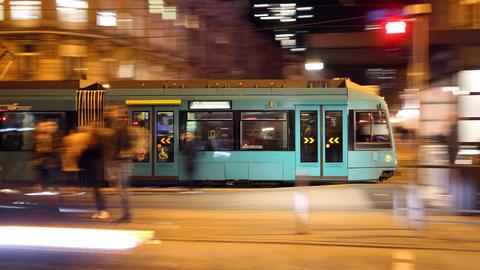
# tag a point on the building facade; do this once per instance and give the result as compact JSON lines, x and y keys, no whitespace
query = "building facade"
{"x":131,"y":39}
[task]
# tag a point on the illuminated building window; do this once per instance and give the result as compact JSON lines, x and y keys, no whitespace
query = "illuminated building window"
{"x":25,"y":10}
{"x":1,"y":10}
{"x":107,"y":18}
{"x":72,"y":10}
{"x":159,"y":7}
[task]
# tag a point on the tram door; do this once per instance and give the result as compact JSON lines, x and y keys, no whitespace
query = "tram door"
{"x":159,"y":160}
{"x":321,"y":142}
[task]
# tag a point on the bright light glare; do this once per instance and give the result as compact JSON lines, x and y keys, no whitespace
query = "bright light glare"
{"x":298,"y":49}
{"x":261,"y":5}
{"x":271,"y":18}
{"x":304,"y":8}
{"x":284,"y":35}
{"x":396,"y":27}
{"x":71,"y":238}
{"x":44,"y":193}
{"x":268,"y":129}
{"x":450,"y":88}
{"x":314,"y":66}
{"x":305,"y":16}
{"x":408,"y":113}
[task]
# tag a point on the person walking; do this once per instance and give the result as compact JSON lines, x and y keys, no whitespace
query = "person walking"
{"x":45,"y":158}
{"x":190,"y":149}
{"x":91,"y":161}
{"x":119,"y":152}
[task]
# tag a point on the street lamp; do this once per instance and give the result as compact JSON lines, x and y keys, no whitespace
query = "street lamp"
{"x":314,"y":66}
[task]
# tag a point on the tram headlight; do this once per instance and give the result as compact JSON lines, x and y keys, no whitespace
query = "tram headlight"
{"x":388,"y":158}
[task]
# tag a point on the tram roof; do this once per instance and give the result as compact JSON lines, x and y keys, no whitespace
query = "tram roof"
{"x":77,"y":84}
{"x":341,"y":83}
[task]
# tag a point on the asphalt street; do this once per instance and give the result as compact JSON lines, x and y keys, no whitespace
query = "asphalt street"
{"x":347,"y":227}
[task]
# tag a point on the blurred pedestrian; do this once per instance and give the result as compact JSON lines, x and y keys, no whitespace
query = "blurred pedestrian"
{"x":120,"y":153}
{"x":452,"y":143}
{"x":45,"y":159}
{"x":190,"y":149}
{"x":91,"y":161}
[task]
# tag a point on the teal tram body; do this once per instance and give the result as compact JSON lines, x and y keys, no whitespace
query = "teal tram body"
{"x":246,"y":131}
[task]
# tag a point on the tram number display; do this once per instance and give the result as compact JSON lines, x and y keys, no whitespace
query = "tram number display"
{"x":333,"y":136}
{"x":165,"y":134}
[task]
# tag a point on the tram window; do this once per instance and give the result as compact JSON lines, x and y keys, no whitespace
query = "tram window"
{"x":308,"y":136}
{"x":141,"y":119}
{"x":264,"y":131}
{"x":214,"y":131}
{"x":371,"y":130}
{"x":17,"y":128}
{"x":165,"y":137}
{"x":333,"y":136}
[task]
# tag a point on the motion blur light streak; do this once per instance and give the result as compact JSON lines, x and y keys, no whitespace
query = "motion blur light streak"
{"x":71,"y":238}
{"x":43,"y":193}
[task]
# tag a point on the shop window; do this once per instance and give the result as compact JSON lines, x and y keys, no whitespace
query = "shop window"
{"x":371,"y":130}
{"x":214,"y":131}
{"x":264,"y":131}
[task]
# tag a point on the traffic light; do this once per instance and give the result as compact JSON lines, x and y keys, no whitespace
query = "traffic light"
{"x":396,"y":34}
{"x":395,"y":27}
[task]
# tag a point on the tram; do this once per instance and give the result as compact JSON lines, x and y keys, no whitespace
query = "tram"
{"x":246,"y":131}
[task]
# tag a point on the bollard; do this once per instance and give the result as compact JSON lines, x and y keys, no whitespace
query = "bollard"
{"x":301,"y":208}
{"x":415,"y":208}
{"x":398,"y":218}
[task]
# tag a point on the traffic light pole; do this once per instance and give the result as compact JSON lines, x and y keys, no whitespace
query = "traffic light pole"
{"x":418,"y":74}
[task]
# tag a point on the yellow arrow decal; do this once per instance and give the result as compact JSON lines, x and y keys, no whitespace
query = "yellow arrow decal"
{"x":330,"y":140}
{"x":311,"y":140}
{"x":305,"y":140}
{"x":337,"y":140}
{"x":168,"y":140}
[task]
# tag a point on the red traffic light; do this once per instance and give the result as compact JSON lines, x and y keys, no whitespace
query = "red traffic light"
{"x":395,"y":27}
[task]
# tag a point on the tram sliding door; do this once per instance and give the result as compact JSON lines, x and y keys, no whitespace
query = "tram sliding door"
{"x":335,"y":141}
{"x":321,"y":142}
{"x":160,"y":160}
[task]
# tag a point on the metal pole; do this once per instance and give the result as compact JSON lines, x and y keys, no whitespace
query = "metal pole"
{"x":417,"y":80}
